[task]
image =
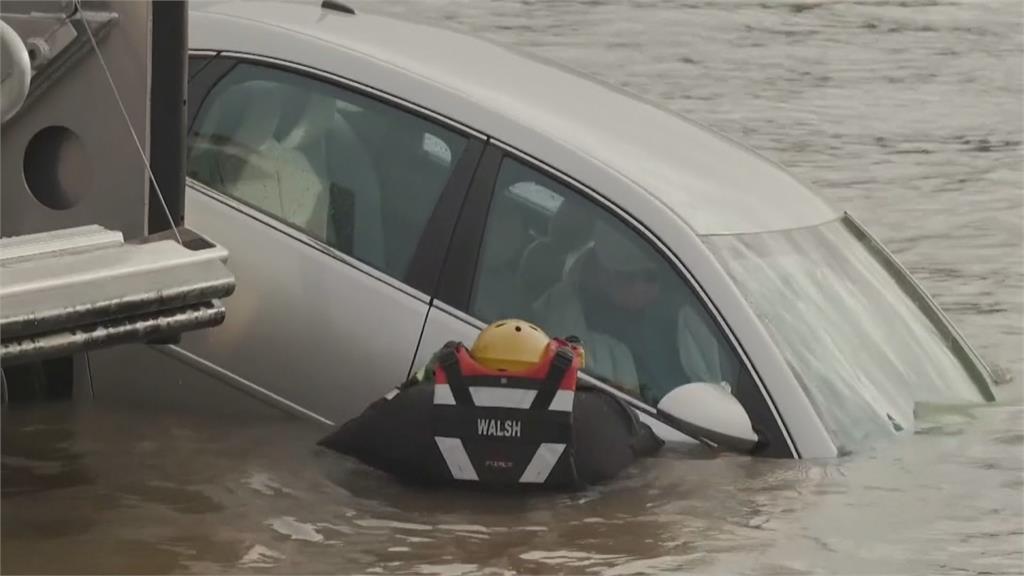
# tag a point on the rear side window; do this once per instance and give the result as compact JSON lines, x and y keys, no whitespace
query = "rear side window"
{"x":348,"y":170}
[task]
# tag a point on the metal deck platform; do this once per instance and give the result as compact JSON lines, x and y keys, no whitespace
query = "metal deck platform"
{"x":77,"y":289}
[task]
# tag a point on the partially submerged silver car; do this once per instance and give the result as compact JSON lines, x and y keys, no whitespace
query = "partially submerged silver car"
{"x":384,"y":187}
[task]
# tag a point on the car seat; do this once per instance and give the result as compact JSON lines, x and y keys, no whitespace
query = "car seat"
{"x":497,"y":292}
{"x":544,"y":262}
{"x":559,"y":311}
{"x":350,"y":212}
{"x":240,"y":156}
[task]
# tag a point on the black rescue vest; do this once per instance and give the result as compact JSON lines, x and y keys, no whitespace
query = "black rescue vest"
{"x":506,"y":429}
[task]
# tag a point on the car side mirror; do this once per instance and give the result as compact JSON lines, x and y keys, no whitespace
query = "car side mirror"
{"x":709,"y":413}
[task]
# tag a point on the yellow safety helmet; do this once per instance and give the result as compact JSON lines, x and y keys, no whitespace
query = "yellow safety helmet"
{"x":510,"y":345}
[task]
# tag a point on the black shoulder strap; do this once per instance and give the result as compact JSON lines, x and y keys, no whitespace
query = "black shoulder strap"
{"x":560,"y":364}
{"x":449,"y":361}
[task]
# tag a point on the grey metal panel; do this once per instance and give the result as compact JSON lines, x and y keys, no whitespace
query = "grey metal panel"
{"x":81,"y":100}
{"x":709,"y":181}
{"x":304,"y":325}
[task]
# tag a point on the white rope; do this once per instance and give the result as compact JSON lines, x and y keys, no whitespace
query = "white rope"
{"x":124,"y":114}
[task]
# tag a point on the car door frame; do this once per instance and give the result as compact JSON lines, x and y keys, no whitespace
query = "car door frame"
{"x":458,"y":279}
{"x":426,"y":264}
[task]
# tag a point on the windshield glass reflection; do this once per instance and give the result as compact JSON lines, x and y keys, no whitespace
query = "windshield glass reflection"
{"x":860,"y":347}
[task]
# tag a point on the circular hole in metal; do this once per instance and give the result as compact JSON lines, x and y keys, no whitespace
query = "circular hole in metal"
{"x":57,"y":169}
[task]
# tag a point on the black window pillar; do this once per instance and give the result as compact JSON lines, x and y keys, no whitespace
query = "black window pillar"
{"x":168,"y":89}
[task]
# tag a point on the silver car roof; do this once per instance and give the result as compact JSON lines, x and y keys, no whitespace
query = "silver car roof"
{"x":710,"y":182}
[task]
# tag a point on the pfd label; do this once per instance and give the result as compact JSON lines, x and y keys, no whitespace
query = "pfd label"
{"x":499,"y":428}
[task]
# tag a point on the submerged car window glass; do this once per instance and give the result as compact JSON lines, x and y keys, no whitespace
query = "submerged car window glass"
{"x":552,"y":257}
{"x":860,"y":347}
{"x":348,"y":170}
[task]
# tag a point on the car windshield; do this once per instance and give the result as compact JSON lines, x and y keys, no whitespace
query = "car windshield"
{"x":855,"y":340}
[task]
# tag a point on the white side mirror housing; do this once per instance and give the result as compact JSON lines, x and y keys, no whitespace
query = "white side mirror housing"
{"x":710,"y":413}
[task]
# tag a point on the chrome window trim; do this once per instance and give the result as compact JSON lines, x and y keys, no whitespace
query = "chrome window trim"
{"x":203,"y":52}
{"x":356,"y":87}
{"x":676,"y":262}
{"x":302,"y":236}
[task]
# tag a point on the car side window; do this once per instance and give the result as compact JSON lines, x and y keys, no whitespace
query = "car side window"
{"x":348,"y":170}
{"x":554,"y":257}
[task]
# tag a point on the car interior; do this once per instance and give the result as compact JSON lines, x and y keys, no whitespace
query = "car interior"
{"x":526,"y":252}
{"x":348,"y":170}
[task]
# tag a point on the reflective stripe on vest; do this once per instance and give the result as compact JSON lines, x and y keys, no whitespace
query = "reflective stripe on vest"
{"x":461,"y":467}
{"x":456,"y":457}
{"x":544,"y":460}
{"x":490,"y":397}
{"x":496,"y":426}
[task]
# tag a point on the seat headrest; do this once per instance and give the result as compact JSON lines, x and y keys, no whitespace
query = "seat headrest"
{"x":319,"y":115}
{"x":618,"y":252}
{"x":506,"y":234}
{"x":248,"y":112}
{"x":571,"y":226}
